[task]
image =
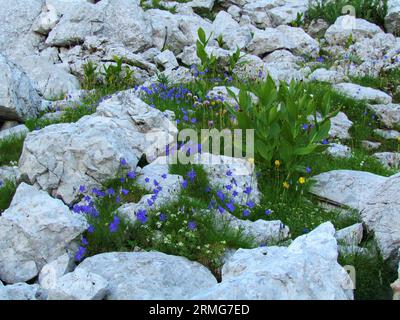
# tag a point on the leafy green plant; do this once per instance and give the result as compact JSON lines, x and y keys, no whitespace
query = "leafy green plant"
{"x":299,"y":21}
{"x":7,"y":191}
{"x":90,"y":78}
{"x":208,"y":62}
{"x":284,"y":133}
{"x":220,"y":41}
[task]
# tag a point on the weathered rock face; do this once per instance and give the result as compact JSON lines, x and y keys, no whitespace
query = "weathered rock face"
{"x":325,"y":75}
{"x":350,"y":236}
{"x":121,"y":21}
{"x":261,"y":231}
{"x":234,"y":36}
{"x":35,"y":229}
{"x":374,"y":196}
{"x":79,"y":285}
{"x":124,"y":127}
{"x":21,"y":291}
{"x":346,"y":26}
{"x":283,"y":37}
{"x":175,"y":30}
{"x":358,"y":92}
{"x":392,"y":19}
{"x":390,"y":160}
{"x":17,"y":17}
{"x":382,"y":215}
{"x":389,"y":114}
{"x":51,"y":80}
{"x":148,"y":275}
{"x":305,"y":270}
{"x":347,"y":187}
{"x":18,"y":99}
{"x":54,"y":270}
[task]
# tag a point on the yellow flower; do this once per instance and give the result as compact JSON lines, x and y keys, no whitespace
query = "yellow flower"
{"x":277,"y":163}
{"x":286,"y":185}
{"x":250,"y":160}
{"x":213,"y":103}
{"x":302,"y":180}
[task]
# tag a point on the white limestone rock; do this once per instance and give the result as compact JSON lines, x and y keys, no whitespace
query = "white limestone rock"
{"x":358,"y":92}
{"x":148,"y":275}
{"x":18,"y":98}
{"x":79,"y":285}
{"x":36,"y":229}
{"x":306,"y":270}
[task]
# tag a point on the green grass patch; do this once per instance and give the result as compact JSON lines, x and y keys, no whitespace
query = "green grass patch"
{"x":373,"y":274}
{"x":371,"y":10}
{"x":11,"y":149}
{"x":7,"y":191}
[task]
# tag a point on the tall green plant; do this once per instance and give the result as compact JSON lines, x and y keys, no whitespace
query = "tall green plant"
{"x":286,"y":123}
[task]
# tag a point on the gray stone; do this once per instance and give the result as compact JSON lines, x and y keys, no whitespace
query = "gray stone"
{"x":79,"y":285}
{"x":54,"y":270}
{"x":381,"y":215}
{"x":18,"y":98}
{"x":35,"y":229}
{"x":338,"y":150}
{"x":347,"y":187}
{"x":346,"y":26}
{"x":283,"y":37}
{"x":390,"y":160}
{"x":306,"y":270}
{"x":8,"y":173}
{"x":358,"y":92}
{"x":21,"y":291}
{"x":123,"y":127}
{"x":387,"y":134}
{"x":392,"y":19}
{"x":325,"y":75}
{"x":350,"y":236}
{"x":17,"y":131}
{"x":370,"y":145}
{"x":389,"y":114}
{"x":149,"y":275}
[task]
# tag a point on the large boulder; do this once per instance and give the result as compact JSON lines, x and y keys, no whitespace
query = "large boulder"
{"x":346,"y":187}
{"x":372,"y":195}
{"x":306,"y":270}
{"x":120,"y":21}
{"x":35,"y":230}
{"x":382,"y":216}
{"x":16,"y":19}
{"x":148,"y":275}
{"x":62,"y":157}
{"x":18,"y":98}
{"x":346,"y":26}
{"x":51,"y":80}
{"x":283,"y":37}
{"x":79,"y":285}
